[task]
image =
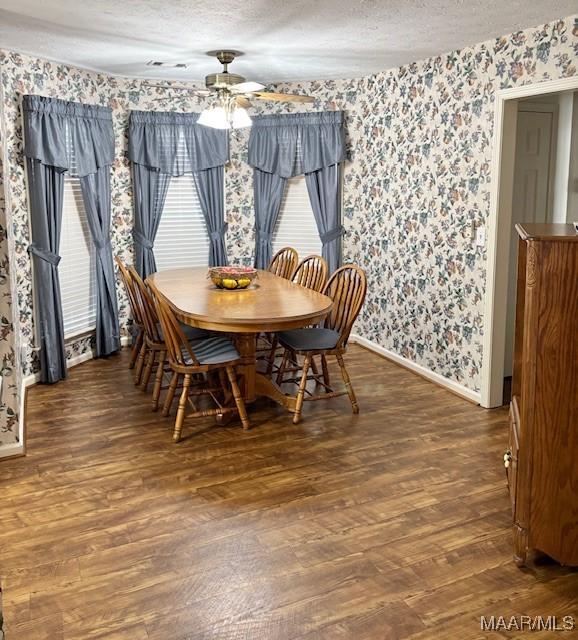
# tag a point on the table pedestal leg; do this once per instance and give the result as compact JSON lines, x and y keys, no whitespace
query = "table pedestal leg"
{"x":246,"y":346}
{"x":255,"y":384}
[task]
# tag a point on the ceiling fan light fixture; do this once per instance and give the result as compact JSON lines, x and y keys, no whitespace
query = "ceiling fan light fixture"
{"x":241,"y":118}
{"x":215,"y":118}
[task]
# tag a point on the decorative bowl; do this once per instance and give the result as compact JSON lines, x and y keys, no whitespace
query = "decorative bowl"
{"x":232,"y":277}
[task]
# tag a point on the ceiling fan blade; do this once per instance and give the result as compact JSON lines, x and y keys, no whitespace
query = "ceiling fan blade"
{"x":247,"y":87}
{"x":242,"y":101}
{"x":282,"y":97}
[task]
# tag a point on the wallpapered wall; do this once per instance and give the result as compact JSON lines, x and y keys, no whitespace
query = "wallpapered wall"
{"x":420,"y":145}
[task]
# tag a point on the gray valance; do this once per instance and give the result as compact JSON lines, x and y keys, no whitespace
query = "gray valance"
{"x":293,"y":144}
{"x":54,"y":128}
{"x":156,"y":140}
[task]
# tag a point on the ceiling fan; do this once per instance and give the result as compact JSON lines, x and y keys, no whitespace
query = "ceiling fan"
{"x":234,"y":94}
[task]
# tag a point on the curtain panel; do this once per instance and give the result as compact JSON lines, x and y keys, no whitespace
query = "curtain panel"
{"x":283,"y":146}
{"x":155,"y":143}
{"x":65,"y":136}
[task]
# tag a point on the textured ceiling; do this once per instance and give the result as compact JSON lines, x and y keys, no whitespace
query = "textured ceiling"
{"x":282,"y":39}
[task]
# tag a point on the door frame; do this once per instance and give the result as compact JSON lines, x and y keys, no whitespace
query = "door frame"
{"x":500,"y":216}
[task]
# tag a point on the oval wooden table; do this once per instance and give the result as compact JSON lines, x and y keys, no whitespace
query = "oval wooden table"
{"x":270,"y":304}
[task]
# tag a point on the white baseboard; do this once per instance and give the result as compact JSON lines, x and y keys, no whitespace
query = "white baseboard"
{"x":454,"y":387}
{"x":11,"y":450}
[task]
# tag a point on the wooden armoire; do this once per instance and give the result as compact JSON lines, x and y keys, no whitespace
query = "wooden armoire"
{"x":542,"y":457}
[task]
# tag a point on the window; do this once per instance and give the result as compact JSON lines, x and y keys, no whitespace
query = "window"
{"x":77,"y":265}
{"x":182,"y":239}
{"x":296,"y":226}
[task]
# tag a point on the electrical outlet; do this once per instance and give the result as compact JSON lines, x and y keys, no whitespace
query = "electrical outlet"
{"x":480,"y":236}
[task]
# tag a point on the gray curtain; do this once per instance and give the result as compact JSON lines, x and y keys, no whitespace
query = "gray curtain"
{"x":324,"y":188}
{"x":65,"y":136}
{"x":282,"y":146}
{"x":46,"y":188}
{"x":210,"y":186}
{"x":165,"y":144}
{"x":96,"y":195}
{"x":268,"y":190}
{"x":150,"y":188}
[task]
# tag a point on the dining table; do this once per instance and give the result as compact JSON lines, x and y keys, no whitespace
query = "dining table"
{"x":270,"y":304}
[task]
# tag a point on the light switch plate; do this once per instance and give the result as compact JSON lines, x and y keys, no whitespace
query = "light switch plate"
{"x":480,"y":236}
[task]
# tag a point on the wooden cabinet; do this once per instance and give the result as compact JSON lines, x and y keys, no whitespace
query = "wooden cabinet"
{"x":542,"y":456}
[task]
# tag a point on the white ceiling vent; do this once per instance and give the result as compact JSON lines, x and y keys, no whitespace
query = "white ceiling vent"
{"x":171,"y":65}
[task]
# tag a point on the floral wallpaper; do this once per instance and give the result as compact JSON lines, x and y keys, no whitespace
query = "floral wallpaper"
{"x":420,"y":176}
{"x":420,"y":146}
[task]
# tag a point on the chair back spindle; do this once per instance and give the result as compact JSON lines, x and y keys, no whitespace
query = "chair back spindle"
{"x":311,"y":273}
{"x":147,"y":310}
{"x":129,"y":286}
{"x":284,"y":262}
{"x":347,"y":288}
{"x":178,"y":347}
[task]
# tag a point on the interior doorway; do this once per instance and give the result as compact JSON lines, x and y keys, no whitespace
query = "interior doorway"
{"x":533,"y":190}
{"x":535,"y":175}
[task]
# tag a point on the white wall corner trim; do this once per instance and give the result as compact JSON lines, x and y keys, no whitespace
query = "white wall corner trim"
{"x":454,"y":387}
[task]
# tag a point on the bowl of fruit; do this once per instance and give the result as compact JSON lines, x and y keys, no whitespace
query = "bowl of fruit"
{"x":232,"y":277}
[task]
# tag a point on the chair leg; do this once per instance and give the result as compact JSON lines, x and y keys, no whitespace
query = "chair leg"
{"x":140,"y":364}
{"x":135,"y":352}
{"x":281,"y":371}
{"x":238,"y":398}
{"x":348,"y":385}
{"x":314,"y":366}
{"x":274,"y":344}
{"x":170,"y":394}
{"x":223,"y":382}
{"x":301,"y":392}
{"x":182,"y":406}
{"x":159,"y":380}
{"x":326,"y":378}
{"x":146,"y":376}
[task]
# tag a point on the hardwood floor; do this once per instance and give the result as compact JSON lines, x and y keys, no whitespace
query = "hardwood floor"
{"x":388,"y":525}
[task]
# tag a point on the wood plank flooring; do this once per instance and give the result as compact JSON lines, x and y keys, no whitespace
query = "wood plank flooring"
{"x":394,"y":524}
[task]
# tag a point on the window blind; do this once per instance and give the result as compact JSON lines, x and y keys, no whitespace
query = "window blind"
{"x":182,"y":239}
{"x":77,"y":265}
{"x":296,"y":226}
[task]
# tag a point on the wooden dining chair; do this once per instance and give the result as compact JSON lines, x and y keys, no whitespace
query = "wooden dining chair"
{"x":347,"y":288}
{"x":188,"y":359}
{"x":154,"y":341}
{"x":138,"y":343}
{"x":284,"y":262}
{"x":310,"y":273}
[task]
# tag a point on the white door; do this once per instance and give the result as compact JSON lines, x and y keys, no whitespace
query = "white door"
{"x":531,"y":200}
